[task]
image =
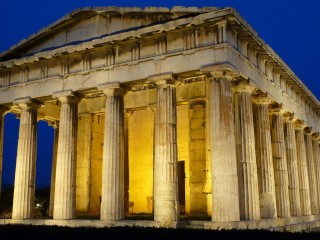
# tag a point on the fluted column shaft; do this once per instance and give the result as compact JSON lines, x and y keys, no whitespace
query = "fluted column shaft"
{"x":303,"y":173}
{"x":316,"y":155}
{"x":246,"y":155}
{"x":292,"y":163}
{"x":225,"y":195}
{"x":166,"y":205}
{"x":2,"y":111}
{"x":112,"y":199}
{"x":280,"y":165}
{"x":312,"y":175}
{"x":24,"y":183}
{"x":267,"y":197}
{"x":65,"y":184}
{"x":53,"y":169}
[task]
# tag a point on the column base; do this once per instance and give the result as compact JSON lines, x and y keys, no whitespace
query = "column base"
{"x":292,"y":224}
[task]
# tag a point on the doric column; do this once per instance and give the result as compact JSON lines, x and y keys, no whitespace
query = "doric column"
{"x":267,"y":197}
{"x":279,"y":163}
{"x":2,"y":112}
{"x":316,"y":155}
{"x":292,"y":163}
{"x":112,"y":199}
{"x":225,"y":193}
{"x":166,"y":205}
{"x":246,"y":154}
{"x":311,"y":173}
{"x":65,"y":184}
{"x":24,"y":183}
{"x":53,"y":167}
{"x":302,"y":170}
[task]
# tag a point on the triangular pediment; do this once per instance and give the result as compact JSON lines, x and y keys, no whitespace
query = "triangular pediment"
{"x":90,"y":23}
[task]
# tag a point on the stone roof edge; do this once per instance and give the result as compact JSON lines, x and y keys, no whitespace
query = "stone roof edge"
{"x":116,"y":37}
{"x":274,"y":55}
{"x":112,"y":9}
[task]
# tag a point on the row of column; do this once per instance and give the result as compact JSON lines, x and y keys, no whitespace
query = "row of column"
{"x":260,"y":166}
{"x":277,"y":159}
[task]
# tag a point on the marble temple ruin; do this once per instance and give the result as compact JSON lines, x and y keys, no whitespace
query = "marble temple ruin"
{"x":167,"y":112}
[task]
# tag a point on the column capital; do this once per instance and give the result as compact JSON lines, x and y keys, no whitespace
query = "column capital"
{"x":288,"y":117}
{"x":112,"y":89}
{"x":315,"y":136}
{"x":221,"y":70}
{"x":276,"y":108}
{"x":163,"y":79}
{"x":27,"y":102}
{"x":299,"y":125}
{"x":244,"y":85}
{"x":67,"y":96}
{"x":308,"y":130}
{"x":262,"y":98}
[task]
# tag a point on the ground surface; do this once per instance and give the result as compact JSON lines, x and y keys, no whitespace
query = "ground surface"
{"x":135,"y":233}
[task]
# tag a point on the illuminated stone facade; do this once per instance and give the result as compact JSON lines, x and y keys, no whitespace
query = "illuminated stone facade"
{"x":163,"y":112}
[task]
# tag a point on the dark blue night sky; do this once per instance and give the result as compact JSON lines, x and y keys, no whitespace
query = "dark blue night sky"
{"x":290,"y":27}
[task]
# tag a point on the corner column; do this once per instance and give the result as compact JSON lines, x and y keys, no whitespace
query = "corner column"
{"x":24,"y":183}
{"x":112,"y":199}
{"x":225,"y":194}
{"x":280,"y":163}
{"x":2,"y":112}
{"x":263,"y":145}
{"x":302,"y":170}
{"x":246,"y":153}
{"x":65,"y":183}
{"x":292,"y":163}
{"x":311,"y":173}
{"x":166,"y":204}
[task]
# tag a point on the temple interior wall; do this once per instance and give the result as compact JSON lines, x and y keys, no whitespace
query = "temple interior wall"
{"x":83,"y":173}
{"x":89,"y":163}
{"x":140,"y":149}
{"x":96,"y":163}
{"x":197,"y":155}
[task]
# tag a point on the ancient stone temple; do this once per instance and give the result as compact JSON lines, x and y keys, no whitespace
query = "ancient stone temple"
{"x":172,"y":113}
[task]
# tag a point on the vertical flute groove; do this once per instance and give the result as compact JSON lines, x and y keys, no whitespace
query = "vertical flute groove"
{"x":24,"y":185}
{"x":225,"y":195}
{"x":267,"y":197}
{"x":303,"y":174}
{"x":246,"y":157}
{"x":112,"y":204}
{"x":293,"y":176}
{"x":165,"y":164}
{"x":312,"y":175}
{"x":65,"y":182}
{"x":280,"y":165}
